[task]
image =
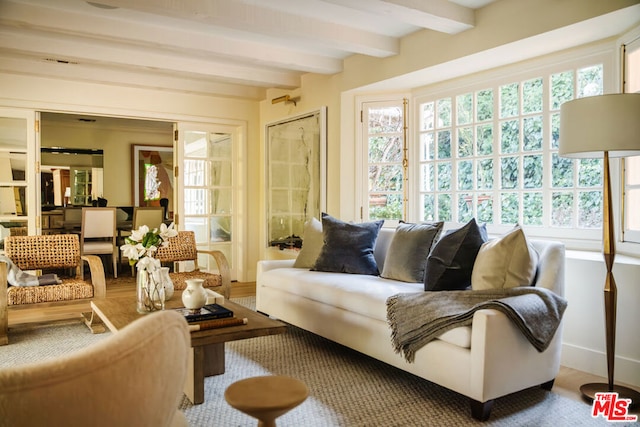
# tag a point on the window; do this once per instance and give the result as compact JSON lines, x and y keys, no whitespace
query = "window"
{"x":490,"y":152}
{"x":631,"y":218}
{"x":383,"y":133}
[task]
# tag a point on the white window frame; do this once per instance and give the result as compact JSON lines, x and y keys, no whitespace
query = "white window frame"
{"x":630,"y":237}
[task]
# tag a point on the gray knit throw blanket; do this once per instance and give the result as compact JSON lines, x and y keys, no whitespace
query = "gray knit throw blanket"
{"x":418,"y":318}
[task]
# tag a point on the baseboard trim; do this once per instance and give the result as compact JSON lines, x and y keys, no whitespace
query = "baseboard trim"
{"x":627,"y":371}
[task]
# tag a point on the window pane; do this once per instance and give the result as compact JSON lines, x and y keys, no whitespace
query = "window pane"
{"x":590,"y":209}
{"x":485,"y":140}
{"x":509,"y":100}
{"x":532,"y":208}
{"x":385,"y":178}
{"x":485,"y":174}
{"x":561,"y":171}
{"x":509,"y":208}
{"x":555,"y":130}
{"x":427,"y":116}
{"x":428,"y":207}
{"x":465,"y":142}
{"x":221,"y":202}
{"x":509,"y":172}
{"x":444,"y":113}
{"x":561,"y":89}
{"x":444,"y":176}
{"x":485,"y":208}
{"x":385,"y":120}
{"x":426,"y":177}
{"x":590,"y":172}
{"x":465,"y":207}
{"x":590,"y":81}
{"x":220,"y":228}
{"x":465,"y":175}
{"x":444,"y":207}
{"x":532,"y":133}
{"x":631,"y":206}
{"x":427,"y":148}
{"x":464,"y":109}
{"x":510,"y":136}
{"x":562,"y":209}
{"x":485,"y":105}
{"x":532,"y":96}
{"x":444,"y":144}
{"x":532,"y":176}
{"x":385,"y":149}
{"x":387,"y":207}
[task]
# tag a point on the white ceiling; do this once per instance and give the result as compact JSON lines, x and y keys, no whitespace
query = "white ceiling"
{"x":234,"y":48}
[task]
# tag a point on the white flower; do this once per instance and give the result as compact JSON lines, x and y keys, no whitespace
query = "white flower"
{"x":142,"y":244}
{"x":132,"y":251}
{"x":138,"y":235}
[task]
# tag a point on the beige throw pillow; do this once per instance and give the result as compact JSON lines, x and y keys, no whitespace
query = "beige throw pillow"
{"x":506,"y":262}
{"x":311,"y":244}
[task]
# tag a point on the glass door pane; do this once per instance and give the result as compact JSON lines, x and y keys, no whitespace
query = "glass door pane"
{"x":207,"y":191}
{"x":17,"y":183}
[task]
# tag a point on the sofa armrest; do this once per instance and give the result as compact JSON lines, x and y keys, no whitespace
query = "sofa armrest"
{"x":503,"y":360}
{"x":271,"y":264}
{"x":97,"y":275}
{"x":223,"y":269}
{"x":4,"y":311}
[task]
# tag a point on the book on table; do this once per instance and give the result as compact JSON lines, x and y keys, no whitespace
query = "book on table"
{"x":208,"y":312}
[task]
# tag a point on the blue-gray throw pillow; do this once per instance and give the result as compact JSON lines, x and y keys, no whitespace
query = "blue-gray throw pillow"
{"x":348,"y":247}
{"x":408,"y":251}
{"x":451,"y":260}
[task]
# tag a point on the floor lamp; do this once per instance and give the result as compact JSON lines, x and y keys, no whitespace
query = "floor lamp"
{"x":594,"y":127}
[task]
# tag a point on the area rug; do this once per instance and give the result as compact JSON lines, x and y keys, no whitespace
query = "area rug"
{"x":347,"y":388}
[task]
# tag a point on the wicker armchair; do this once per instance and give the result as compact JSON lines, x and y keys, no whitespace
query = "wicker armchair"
{"x":183,"y":248}
{"x":55,"y":251}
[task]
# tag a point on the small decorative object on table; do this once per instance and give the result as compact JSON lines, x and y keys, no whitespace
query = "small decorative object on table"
{"x":195,"y":296}
{"x":140,"y":248}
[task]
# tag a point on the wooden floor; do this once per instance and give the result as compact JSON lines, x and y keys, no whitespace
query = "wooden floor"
{"x":567,"y":383}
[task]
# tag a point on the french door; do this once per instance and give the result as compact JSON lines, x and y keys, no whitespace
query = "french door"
{"x":207,"y":190}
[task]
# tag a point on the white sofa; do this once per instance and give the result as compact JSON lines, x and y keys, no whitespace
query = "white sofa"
{"x":487,"y":360}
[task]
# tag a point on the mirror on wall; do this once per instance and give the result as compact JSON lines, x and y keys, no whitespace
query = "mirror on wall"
{"x":70,"y":176}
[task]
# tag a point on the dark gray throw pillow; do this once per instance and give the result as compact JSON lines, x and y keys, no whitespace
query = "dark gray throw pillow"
{"x":348,"y":247}
{"x":450,"y":262}
{"x":408,"y":251}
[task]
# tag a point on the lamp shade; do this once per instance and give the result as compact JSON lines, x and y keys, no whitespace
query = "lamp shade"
{"x":590,"y":126}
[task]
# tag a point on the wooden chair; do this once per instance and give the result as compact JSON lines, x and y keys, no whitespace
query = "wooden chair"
{"x":54,"y":251}
{"x":98,"y":234}
{"x":183,"y":248}
{"x":131,"y":378}
{"x":150,"y":216}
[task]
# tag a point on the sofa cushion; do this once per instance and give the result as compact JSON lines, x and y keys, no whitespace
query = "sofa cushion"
{"x":348,"y":247}
{"x":450,"y":263}
{"x":408,"y":251}
{"x":311,"y":244}
{"x":506,"y":262}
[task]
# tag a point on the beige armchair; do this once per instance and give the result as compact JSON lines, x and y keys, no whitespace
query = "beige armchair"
{"x":134,"y":377}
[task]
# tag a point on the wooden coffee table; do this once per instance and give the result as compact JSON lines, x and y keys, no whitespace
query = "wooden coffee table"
{"x":207,"y":346}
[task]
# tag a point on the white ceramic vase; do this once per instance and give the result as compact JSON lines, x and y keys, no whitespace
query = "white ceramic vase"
{"x":194,"y":297}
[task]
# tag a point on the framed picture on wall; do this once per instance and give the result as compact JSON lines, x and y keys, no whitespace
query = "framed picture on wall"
{"x":152,"y":175}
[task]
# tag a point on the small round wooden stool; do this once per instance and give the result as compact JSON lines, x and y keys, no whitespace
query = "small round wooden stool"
{"x":266,"y":398}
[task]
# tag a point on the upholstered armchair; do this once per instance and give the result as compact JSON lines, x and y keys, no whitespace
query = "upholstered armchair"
{"x":134,"y":377}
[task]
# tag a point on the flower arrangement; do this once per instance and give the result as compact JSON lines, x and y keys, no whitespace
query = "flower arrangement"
{"x":143,"y":243}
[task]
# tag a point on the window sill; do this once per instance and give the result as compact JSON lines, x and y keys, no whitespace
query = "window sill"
{"x":597,"y":257}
